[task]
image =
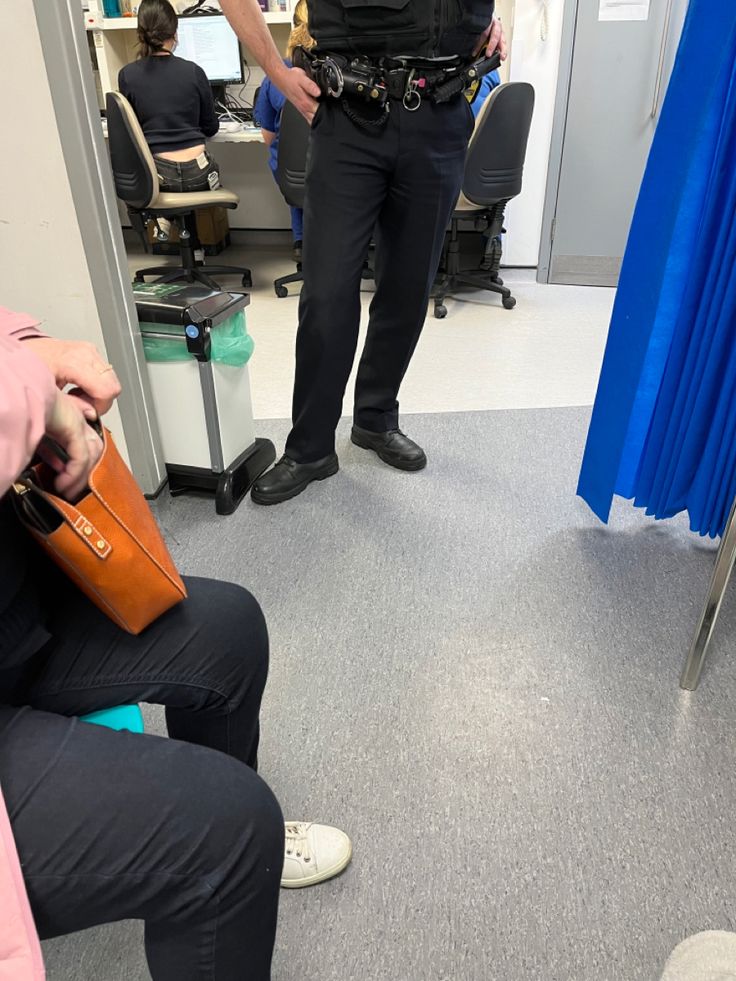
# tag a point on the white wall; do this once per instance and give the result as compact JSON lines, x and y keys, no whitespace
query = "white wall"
{"x":43,"y":268}
{"x":536,"y":61}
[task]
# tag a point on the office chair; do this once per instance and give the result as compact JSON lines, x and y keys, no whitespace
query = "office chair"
{"x":493,"y":174}
{"x":291,"y":174}
{"x":136,"y":184}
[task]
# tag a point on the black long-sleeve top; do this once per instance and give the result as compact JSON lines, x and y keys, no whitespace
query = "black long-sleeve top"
{"x":172,"y":100}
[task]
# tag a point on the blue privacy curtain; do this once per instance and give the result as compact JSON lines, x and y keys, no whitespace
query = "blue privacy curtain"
{"x":663,"y":430}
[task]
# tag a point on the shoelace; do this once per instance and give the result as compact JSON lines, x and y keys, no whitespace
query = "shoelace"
{"x":296,"y":840}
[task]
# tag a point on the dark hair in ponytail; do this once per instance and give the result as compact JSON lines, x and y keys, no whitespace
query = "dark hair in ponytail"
{"x":157,"y":22}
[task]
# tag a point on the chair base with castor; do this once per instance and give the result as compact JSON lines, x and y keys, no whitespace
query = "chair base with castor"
{"x":494,"y":167}
{"x":137,"y":185}
{"x":121,"y":717}
{"x":452,"y":279}
{"x":280,"y":284}
{"x":191,"y":270}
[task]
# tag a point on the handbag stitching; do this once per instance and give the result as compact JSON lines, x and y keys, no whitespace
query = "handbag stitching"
{"x":140,"y":545}
{"x":116,"y":614}
{"x":66,"y":561}
{"x":101,"y":499}
{"x":79,"y":525}
{"x":180,"y":589}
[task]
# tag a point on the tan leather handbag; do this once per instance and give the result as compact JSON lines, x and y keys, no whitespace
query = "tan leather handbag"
{"x":108,"y":543}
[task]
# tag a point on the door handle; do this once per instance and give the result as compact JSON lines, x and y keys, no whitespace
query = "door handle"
{"x":660,"y":66}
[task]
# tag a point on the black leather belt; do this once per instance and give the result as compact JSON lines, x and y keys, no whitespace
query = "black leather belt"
{"x":404,"y":80}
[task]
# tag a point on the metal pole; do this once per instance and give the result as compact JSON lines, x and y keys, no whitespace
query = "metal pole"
{"x":69,"y":70}
{"x":718,"y":583}
{"x":660,"y":65}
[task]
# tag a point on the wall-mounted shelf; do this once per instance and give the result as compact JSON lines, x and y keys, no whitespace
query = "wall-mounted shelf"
{"x":115,"y":42}
{"x":93,"y":23}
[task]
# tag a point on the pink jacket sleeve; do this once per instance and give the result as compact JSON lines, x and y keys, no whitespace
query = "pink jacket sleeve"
{"x":20,"y":951}
{"x":27,"y":392}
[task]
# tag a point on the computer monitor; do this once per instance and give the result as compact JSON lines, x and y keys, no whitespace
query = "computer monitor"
{"x":209,"y":41}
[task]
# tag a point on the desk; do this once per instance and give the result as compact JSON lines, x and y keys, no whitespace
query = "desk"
{"x":247,"y":135}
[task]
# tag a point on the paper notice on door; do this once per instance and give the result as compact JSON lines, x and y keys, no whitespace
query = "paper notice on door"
{"x":623,"y":10}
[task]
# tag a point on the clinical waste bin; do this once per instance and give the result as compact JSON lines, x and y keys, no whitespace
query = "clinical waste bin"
{"x":197,"y":349}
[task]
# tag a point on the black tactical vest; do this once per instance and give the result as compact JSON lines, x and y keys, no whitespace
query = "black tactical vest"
{"x":416,"y":28}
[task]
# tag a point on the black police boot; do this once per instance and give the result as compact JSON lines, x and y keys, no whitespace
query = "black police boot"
{"x":289,"y":478}
{"x":393,"y":447}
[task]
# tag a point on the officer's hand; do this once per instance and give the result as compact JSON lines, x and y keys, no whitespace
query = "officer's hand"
{"x":494,"y":40}
{"x":301,"y":91}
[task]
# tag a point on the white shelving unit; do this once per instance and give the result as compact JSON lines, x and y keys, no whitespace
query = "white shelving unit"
{"x":93,"y":22}
{"x":115,"y":40}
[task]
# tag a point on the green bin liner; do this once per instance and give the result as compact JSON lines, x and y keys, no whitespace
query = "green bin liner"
{"x":231,"y":342}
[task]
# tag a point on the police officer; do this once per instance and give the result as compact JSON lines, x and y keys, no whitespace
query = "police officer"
{"x":386,"y":159}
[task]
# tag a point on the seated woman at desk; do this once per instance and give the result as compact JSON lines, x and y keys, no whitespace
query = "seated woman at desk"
{"x":269,"y":106}
{"x":173,"y":102}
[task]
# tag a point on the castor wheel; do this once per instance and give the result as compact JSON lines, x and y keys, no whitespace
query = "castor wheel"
{"x":440,"y":311}
{"x":497,"y":280}
{"x":281,"y":291}
{"x":247,"y":281}
{"x":138,"y":278}
{"x":509,"y":302}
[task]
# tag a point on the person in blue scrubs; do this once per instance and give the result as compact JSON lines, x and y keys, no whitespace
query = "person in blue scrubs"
{"x":269,"y":106}
{"x":487,"y":84}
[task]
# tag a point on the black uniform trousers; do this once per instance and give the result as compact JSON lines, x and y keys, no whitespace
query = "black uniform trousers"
{"x":399,"y":182}
{"x":179,"y":832}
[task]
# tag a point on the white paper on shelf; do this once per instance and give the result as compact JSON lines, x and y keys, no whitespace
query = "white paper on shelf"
{"x":623,"y":10}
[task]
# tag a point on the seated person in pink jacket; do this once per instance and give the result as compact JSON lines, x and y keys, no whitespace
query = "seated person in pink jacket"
{"x":181,"y":833}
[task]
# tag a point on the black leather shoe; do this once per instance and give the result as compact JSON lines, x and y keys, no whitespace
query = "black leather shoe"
{"x":289,"y":478}
{"x":393,"y":447}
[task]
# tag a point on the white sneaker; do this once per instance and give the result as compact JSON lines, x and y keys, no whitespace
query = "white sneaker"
{"x":314,"y":852}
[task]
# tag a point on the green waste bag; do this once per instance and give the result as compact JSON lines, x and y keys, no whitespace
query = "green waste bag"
{"x":231,"y":342}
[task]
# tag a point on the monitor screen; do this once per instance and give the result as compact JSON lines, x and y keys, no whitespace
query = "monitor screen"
{"x":213,"y":45}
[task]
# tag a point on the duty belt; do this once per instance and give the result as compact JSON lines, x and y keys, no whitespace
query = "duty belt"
{"x":405,"y":80}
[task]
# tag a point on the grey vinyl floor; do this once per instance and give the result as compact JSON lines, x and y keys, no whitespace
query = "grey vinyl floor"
{"x":479,"y":682}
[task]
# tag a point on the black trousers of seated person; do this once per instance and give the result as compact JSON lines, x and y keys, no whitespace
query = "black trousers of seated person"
{"x":178,"y":832}
{"x":399,"y":182}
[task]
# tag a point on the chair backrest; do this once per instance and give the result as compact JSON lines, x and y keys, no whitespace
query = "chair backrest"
{"x":133,"y":166}
{"x":495,"y":162}
{"x":293,"y":148}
